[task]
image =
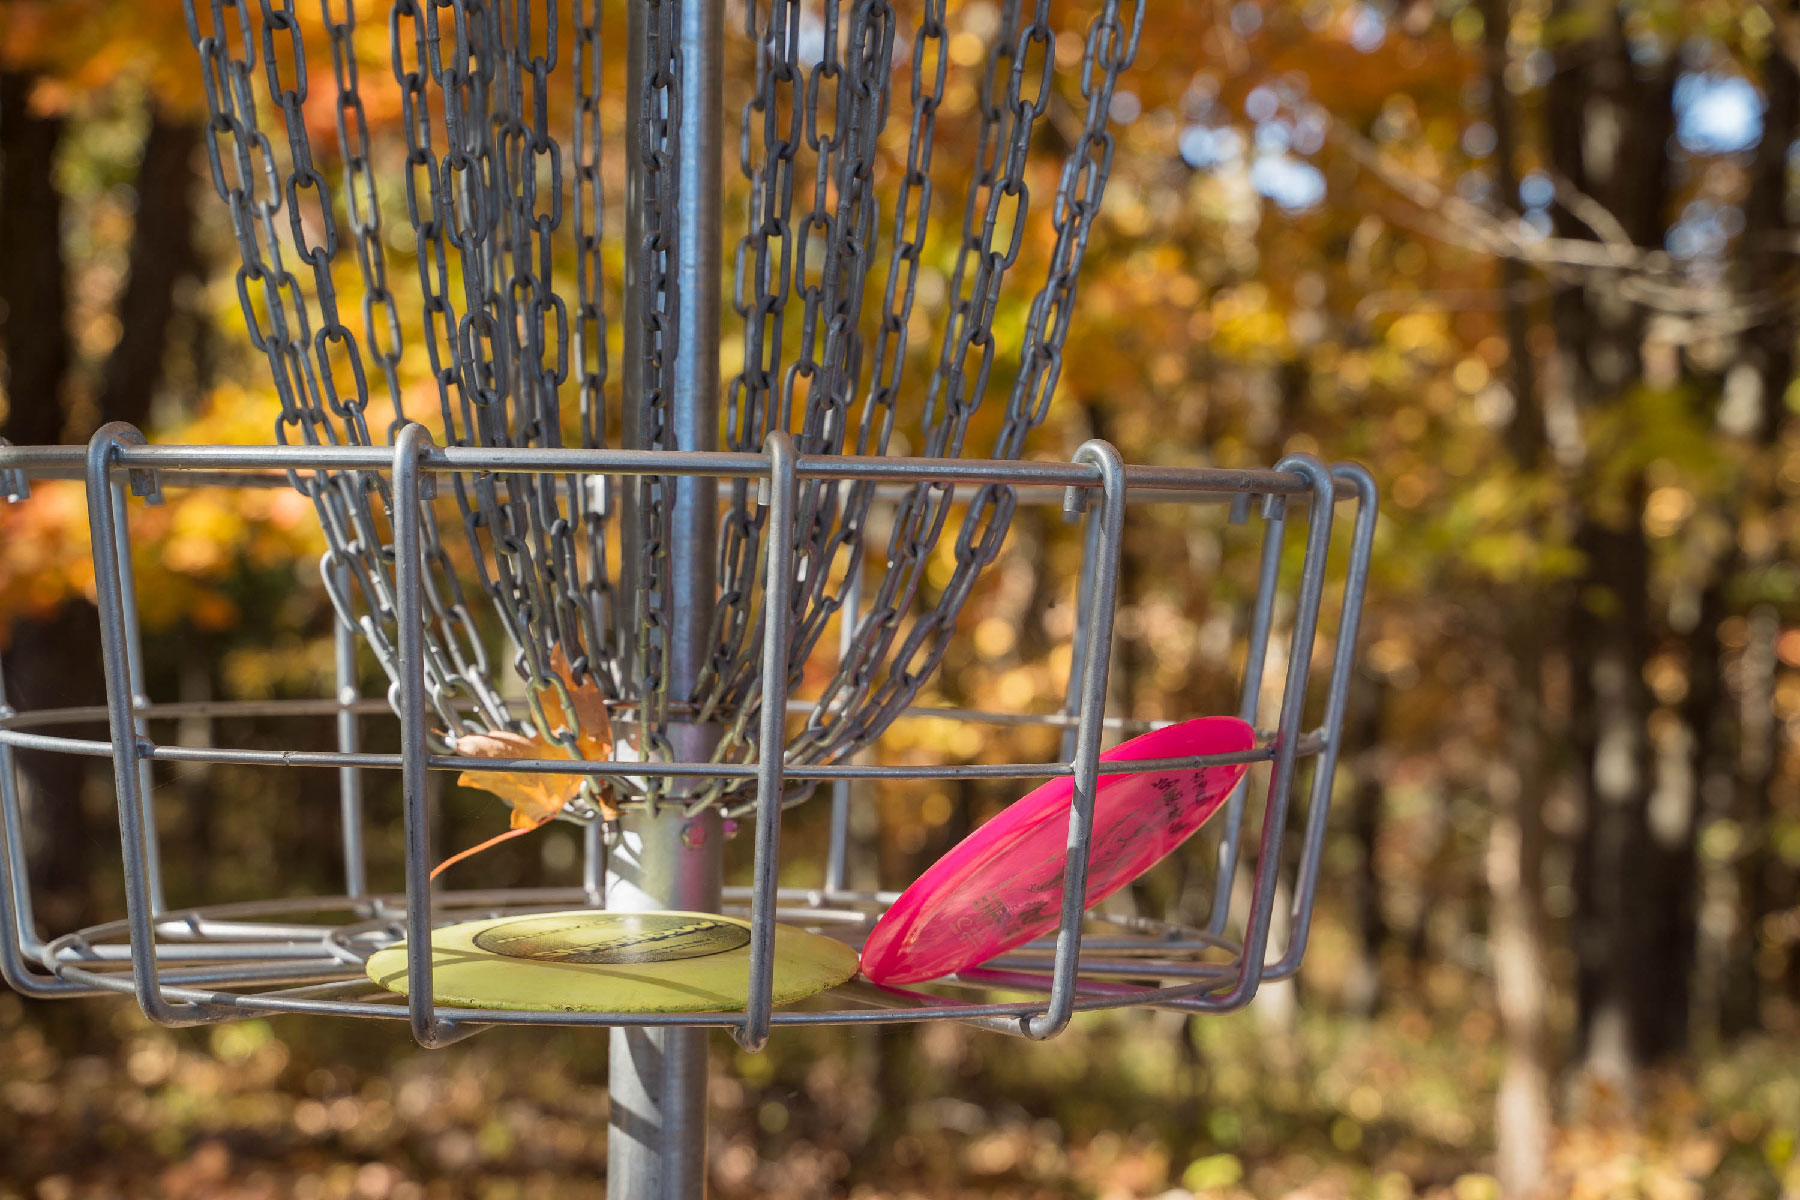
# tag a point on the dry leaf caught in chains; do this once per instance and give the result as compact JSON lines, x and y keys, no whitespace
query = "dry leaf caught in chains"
{"x":535,"y":797}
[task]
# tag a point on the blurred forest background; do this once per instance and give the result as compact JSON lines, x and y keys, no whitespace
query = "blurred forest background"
{"x":1531,"y":260}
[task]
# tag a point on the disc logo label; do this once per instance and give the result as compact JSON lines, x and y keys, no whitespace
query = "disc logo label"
{"x":612,"y":939}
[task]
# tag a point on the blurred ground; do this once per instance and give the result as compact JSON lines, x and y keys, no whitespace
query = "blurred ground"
{"x":1128,"y":1106}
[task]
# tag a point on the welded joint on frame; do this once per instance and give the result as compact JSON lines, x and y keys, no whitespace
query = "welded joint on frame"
{"x":145,"y":484}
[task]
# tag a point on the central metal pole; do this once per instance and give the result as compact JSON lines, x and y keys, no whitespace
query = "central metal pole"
{"x":656,"y":1144}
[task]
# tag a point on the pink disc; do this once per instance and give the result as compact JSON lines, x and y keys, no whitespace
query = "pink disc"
{"x":1002,"y":885}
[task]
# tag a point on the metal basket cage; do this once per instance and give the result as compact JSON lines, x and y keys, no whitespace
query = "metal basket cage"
{"x":219,"y":962}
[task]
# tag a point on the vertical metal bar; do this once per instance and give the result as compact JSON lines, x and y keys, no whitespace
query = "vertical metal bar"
{"x":1097,"y":657}
{"x":1287,"y":733}
{"x":1084,"y":601}
{"x":656,"y":1146}
{"x":140,"y":699}
{"x":349,"y":740}
{"x":837,"y":849}
{"x":656,"y":1141}
{"x":1250,"y":700}
{"x":699,"y":246}
{"x":771,"y":742}
{"x":110,"y":550}
{"x":19,"y":941}
{"x":593,"y":863}
{"x":409,"y":615}
{"x":18,"y":936}
{"x":1343,"y":662}
{"x":20,"y":926}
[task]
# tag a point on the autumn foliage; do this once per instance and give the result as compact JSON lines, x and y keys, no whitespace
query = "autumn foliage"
{"x":1532,"y":261}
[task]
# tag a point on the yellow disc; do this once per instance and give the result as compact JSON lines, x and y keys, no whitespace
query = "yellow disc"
{"x":594,"y":961}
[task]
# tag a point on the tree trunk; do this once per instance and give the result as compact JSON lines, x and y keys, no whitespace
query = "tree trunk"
{"x":1363,"y":995}
{"x":1759,"y":895}
{"x":53,"y":661}
{"x":33,"y":301}
{"x":1608,"y":123}
{"x":162,"y":255}
{"x":50,"y":662}
{"x":1523,"y":1108}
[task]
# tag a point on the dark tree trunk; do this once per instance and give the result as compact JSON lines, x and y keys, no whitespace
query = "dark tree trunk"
{"x":1703,"y":722}
{"x":1523,"y":1107}
{"x":1769,"y":348}
{"x":162,"y":254}
{"x":1608,"y":123}
{"x":1764,"y":885}
{"x":1633,"y":937}
{"x":1365,"y":732}
{"x":33,"y":302}
{"x":53,"y":660}
{"x":45,"y":665}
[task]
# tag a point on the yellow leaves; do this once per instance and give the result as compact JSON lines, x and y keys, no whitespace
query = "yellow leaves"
{"x":1426,"y":334}
{"x":1247,"y":324}
{"x":1212,"y":1172}
{"x":1471,"y":374}
{"x":194,"y":555}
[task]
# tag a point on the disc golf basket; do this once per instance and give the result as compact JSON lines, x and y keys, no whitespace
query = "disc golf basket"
{"x":550,"y":519}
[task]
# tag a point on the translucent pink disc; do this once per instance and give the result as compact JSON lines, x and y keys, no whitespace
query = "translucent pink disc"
{"x":1002,"y":885}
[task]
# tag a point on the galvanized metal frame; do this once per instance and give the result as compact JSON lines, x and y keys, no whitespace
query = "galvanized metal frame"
{"x":181,"y":963}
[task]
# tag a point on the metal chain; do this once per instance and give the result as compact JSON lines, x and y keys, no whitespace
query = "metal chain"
{"x":890,"y":659}
{"x":485,"y":193}
{"x":497,"y":201}
{"x":309,"y":371}
{"x":1110,"y":49}
{"x":1005,"y":131}
{"x":590,"y":503}
{"x":826,"y":368}
{"x":659,"y":121}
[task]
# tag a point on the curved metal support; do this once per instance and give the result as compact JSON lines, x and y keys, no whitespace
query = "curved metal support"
{"x":784,"y":492}
{"x":18,"y":936}
{"x":1287,"y":735}
{"x":141,"y":901}
{"x":837,"y":849}
{"x":1256,"y":659}
{"x":1343,"y":662}
{"x":350,"y":789}
{"x":1096,"y":658}
{"x":19,"y":941}
{"x":410,"y":448}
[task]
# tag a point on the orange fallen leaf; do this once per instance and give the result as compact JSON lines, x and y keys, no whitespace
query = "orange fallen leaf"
{"x":534,"y":797}
{"x":537,"y":797}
